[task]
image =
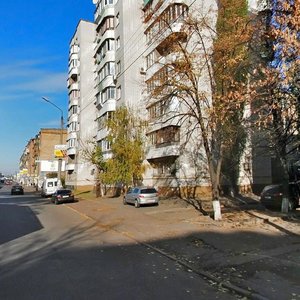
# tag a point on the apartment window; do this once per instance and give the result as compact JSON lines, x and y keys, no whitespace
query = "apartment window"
{"x":164,"y":136}
{"x":74,"y":94}
{"x":72,"y":143}
{"x":118,"y":67}
{"x":107,"y":70}
{"x":165,"y":168}
{"x":107,"y":45}
{"x":118,"y":43}
{"x":107,"y":24}
{"x":74,"y":109}
{"x":73,"y":126}
{"x":108,"y":93}
{"x":74,"y":49}
{"x":119,"y":92}
{"x":158,"y":109}
{"x":105,"y":145}
{"x":152,"y":58}
{"x":117,"y":19}
{"x":157,"y":80}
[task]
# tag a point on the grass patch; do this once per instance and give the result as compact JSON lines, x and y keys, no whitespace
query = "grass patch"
{"x":86,"y":195}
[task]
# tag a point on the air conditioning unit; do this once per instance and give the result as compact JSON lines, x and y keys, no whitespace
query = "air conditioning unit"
{"x":142,"y":71}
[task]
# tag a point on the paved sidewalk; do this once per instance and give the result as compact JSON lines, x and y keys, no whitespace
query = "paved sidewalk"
{"x":248,"y":252}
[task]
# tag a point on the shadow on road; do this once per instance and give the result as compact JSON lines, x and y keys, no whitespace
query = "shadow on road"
{"x":17,"y":221}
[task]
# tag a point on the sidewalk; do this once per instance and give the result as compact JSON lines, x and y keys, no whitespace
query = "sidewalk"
{"x":250,"y":252}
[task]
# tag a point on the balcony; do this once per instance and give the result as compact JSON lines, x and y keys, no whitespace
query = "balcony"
{"x":73,"y":56}
{"x":73,"y":118}
{"x":163,"y":150}
{"x":108,"y":56}
{"x":71,"y":151}
{"x":108,"y":10}
{"x":70,"y":167}
{"x":106,"y":82}
{"x":108,"y":34}
{"x":102,"y":134}
{"x":73,"y":101}
{"x":73,"y":72}
{"x":73,"y":86}
{"x":108,"y":105}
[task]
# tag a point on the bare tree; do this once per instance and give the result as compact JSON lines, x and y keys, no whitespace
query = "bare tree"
{"x":206,"y":74}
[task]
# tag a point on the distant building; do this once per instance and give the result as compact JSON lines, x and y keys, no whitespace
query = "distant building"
{"x":37,"y":159}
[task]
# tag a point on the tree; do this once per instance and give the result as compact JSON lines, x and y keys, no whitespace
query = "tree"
{"x":207,"y":75}
{"x":277,"y":100}
{"x":125,"y":167}
{"x":92,"y":153}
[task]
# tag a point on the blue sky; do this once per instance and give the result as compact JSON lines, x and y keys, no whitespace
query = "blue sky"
{"x":34,"y":49}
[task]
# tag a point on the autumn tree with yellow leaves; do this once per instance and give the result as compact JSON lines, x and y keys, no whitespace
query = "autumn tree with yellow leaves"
{"x":207,"y":74}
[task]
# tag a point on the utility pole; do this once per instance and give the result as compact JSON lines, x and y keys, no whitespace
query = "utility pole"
{"x":61,"y":136}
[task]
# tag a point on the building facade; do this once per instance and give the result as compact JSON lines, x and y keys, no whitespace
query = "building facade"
{"x":38,"y":159}
{"x":119,"y":65}
{"x":81,"y":108}
{"x":118,"y":60}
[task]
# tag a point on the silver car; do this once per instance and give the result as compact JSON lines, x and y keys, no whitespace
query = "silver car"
{"x":141,"y":195}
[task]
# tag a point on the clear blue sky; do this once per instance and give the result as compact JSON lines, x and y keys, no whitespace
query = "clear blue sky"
{"x":34,"y":47}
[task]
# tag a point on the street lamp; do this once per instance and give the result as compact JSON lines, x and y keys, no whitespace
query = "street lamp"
{"x":61,"y":135}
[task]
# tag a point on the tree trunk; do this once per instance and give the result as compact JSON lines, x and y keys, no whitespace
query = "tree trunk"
{"x":215,"y":194}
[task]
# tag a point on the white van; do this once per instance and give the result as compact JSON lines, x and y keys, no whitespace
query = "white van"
{"x":49,"y":187}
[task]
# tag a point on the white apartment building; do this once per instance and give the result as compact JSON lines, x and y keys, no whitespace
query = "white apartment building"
{"x":129,"y":53}
{"x":81,"y":109}
{"x":116,"y":61}
{"x":119,"y":61}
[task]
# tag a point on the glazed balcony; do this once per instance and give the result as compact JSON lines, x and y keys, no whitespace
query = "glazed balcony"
{"x":106,"y":11}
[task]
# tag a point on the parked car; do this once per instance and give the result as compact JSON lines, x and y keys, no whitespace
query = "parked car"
{"x":271,"y":196}
{"x":141,"y":195}
{"x":17,"y":190}
{"x":62,"y":195}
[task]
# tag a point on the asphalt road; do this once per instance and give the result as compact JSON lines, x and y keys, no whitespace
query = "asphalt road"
{"x":51,"y":252}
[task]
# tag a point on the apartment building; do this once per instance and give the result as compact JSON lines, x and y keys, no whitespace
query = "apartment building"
{"x":119,"y":63}
{"x":27,"y":164}
{"x":37,"y":159}
{"x":81,"y":108}
{"x":118,"y":60}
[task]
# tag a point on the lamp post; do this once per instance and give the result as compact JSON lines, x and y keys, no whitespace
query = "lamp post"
{"x":61,"y":135}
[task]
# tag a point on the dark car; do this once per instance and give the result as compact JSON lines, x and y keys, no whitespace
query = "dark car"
{"x":141,"y":195}
{"x":62,"y":195}
{"x":271,"y":196}
{"x":17,"y":190}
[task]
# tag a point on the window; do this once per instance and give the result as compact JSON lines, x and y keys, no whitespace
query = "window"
{"x":107,"y":24}
{"x":165,"y":135}
{"x":105,"y":145}
{"x":107,"y":45}
{"x":118,"y":67}
{"x":117,"y":19}
{"x":73,"y":126}
{"x":73,"y":110}
{"x":119,"y":91}
{"x":72,"y":143}
{"x":118,"y":43}
{"x":108,"y":93}
{"x":107,"y":70}
{"x":158,"y":109}
{"x":74,"y":94}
